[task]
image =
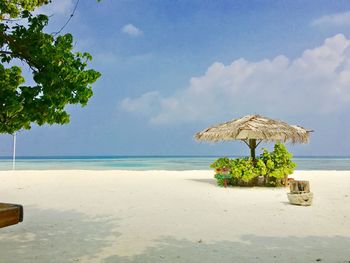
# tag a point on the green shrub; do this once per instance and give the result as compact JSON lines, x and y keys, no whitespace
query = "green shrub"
{"x":271,"y":168}
{"x":221,"y":163}
{"x":279,"y":163}
{"x":243,"y":169}
{"x":222,"y":177}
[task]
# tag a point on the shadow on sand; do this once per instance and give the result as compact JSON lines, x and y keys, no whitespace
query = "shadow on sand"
{"x":250,"y":249}
{"x":54,"y":236}
{"x":206,"y":181}
{"x":66,"y":236}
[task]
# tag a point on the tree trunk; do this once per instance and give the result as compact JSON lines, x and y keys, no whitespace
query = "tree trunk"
{"x":252,"y":146}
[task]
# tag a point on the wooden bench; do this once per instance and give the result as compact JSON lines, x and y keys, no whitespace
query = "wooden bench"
{"x":10,"y":214}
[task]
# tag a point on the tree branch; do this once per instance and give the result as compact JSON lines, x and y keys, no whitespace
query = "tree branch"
{"x":21,"y":53}
{"x":6,"y":52}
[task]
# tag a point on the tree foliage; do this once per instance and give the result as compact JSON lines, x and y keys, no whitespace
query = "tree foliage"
{"x":13,"y":8}
{"x":60,"y":76}
{"x":270,"y":169}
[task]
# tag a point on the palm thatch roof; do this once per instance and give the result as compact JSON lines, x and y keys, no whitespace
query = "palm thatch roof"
{"x":255,"y":127}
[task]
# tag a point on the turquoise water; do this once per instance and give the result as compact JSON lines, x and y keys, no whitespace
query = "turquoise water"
{"x":178,"y":163}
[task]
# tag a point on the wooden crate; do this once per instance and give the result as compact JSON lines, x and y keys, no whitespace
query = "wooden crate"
{"x":300,"y":193}
{"x":299,"y":187}
{"x":10,"y":214}
{"x":304,"y":199}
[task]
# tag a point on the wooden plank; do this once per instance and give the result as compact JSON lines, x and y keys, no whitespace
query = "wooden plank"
{"x":10,"y":214}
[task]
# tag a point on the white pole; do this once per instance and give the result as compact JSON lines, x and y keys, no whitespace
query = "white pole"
{"x":14,"y":152}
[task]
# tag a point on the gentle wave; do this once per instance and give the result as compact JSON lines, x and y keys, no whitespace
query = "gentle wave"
{"x":153,"y":163}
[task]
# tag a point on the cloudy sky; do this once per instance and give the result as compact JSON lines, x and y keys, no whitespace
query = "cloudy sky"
{"x":172,"y":68}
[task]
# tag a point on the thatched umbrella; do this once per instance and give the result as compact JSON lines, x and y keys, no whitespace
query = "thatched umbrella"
{"x":253,"y":129}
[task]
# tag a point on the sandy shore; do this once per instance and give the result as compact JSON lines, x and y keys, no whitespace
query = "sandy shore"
{"x":163,"y":216}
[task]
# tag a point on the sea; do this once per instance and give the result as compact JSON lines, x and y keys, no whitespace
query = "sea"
{"x":173,"y":163}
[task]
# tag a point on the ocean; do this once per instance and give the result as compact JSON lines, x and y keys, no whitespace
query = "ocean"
{"x":177,"y":163}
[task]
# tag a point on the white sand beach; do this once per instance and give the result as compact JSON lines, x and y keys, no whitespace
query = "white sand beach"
{"x":165,"y":216}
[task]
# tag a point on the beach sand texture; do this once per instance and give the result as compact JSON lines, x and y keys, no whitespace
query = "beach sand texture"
{"x":171,"y":216}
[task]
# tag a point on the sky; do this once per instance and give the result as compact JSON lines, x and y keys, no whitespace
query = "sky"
{"x":172,"y":68}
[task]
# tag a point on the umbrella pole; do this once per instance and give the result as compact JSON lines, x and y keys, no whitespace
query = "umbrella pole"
{"x":252,"y":146}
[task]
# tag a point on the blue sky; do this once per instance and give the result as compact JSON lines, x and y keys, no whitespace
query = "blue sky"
{"x":172,"y":68}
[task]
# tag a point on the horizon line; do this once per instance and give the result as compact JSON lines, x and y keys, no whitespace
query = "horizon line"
{"x":151,"y":156}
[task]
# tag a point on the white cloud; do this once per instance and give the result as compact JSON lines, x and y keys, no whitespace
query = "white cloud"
{"x":338,"y":19}
{"x":146,"y":104}
{"x":131,"y":30}
{"x":316,"y":82}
